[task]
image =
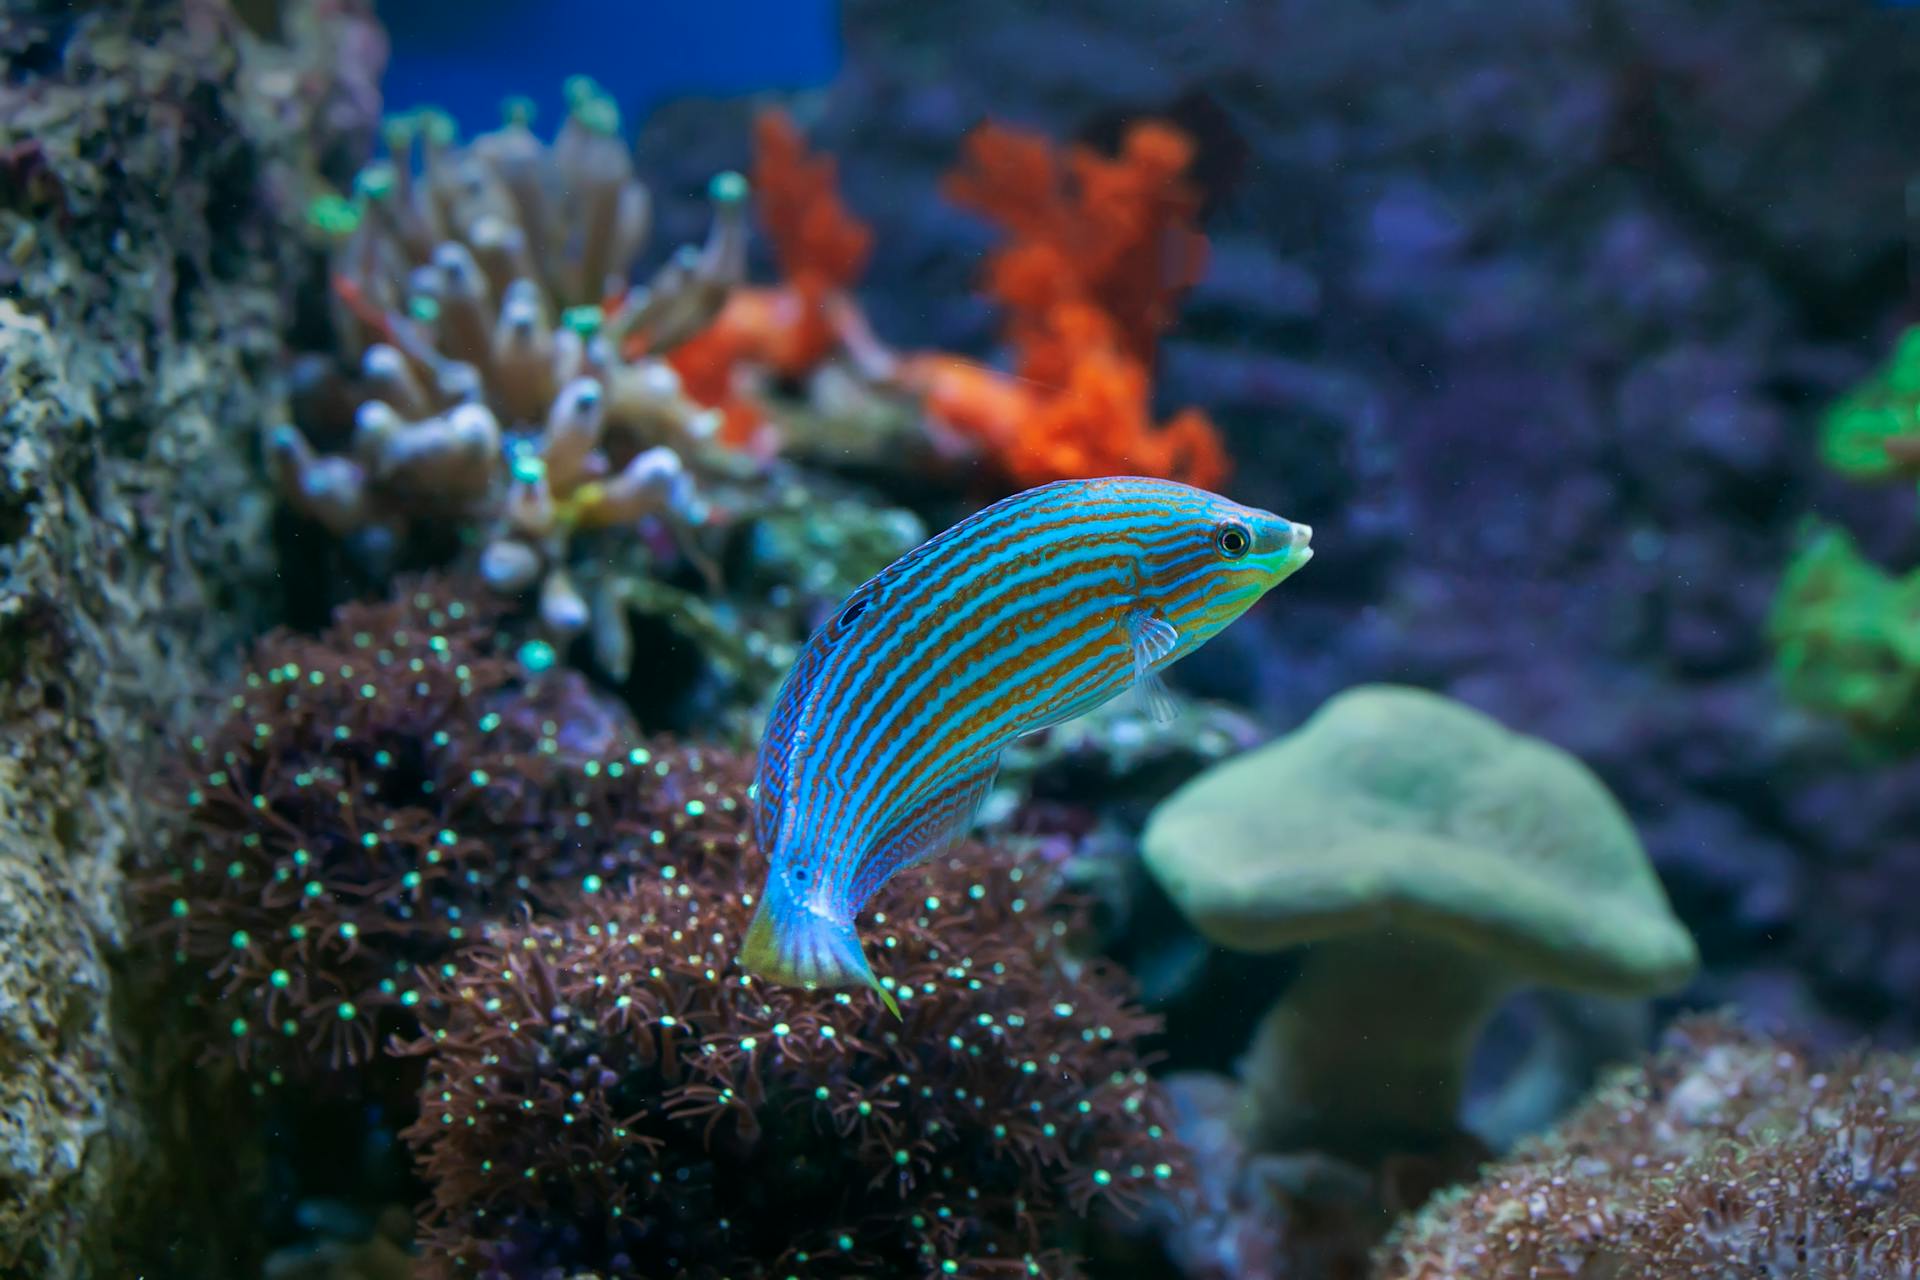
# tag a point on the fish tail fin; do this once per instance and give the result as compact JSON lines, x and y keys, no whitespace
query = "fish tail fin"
{"x":790,"y":943}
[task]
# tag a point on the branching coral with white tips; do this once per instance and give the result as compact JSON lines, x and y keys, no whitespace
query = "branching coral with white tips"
{"x":508,"y":376}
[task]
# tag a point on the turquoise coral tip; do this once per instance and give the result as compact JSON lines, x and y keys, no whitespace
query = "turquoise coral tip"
{"x":375,"y":182}
{"x":437,"y":127}
{"x":583,"y":320}
{"x":727,"y":188}
{"x":518,"y":109}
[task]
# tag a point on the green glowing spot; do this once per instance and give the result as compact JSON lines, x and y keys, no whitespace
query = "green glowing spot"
{"x":346,"y":1011}
{"x":695,"y":808}
{"x":240,"y":939}
{"x":411,"y":880}
{"x":235,"y":870}
{"x":313,"y":889}
{"x":1102,"y":1178}
{"x":901,"y":1157}
{"x":333,"y":215}
{"x":821,"y":1093}
{"x":583,"y":320}
{"x":238,"y":1026}
{"x":845,"y":1242}
{"x":422,"y":308}
{"x":748,"y":1044}
{"x":781,"y":1028}
{"x":1163,"y":1170}
{"x":349,"y":930}
{"x":727,"y":187}
{"x":280,"y":979}
{"x":479,"y":777}
{"x":950,"y":1267}
{"x":179,"y":908}
{"x":826,"y":1033}
{"x":592,"y":884}
{"x":537,"y":657}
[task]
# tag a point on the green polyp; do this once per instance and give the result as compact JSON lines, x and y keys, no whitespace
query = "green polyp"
{"x":529,"y":467}
{"x":537,"y":657}
{"x":422,"y":308}
{"x":333,"y":215}
{"x":584,"y":320}
{"x":727,"y":187}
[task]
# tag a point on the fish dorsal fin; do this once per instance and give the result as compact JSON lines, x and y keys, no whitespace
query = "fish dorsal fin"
{"x":1152,"y":638}
{"x":780,"y":746}
{"x":927,"y":829}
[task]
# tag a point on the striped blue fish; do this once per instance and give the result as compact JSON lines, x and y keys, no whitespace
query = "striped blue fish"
{"x":887,"y":733}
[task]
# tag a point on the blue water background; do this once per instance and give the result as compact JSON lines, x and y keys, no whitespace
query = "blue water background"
{"x":464,"y":56}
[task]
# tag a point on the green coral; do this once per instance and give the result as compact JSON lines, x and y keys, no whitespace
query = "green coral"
{"x":1855,"y":433}
{"x":1845,"y":632}
{"x":1846,"y":635}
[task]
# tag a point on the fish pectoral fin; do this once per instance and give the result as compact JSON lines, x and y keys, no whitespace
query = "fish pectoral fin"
{"x":1152,"y":638}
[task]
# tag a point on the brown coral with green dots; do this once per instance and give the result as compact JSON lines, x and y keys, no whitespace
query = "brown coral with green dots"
{"x":365,"y":802}
{"x":609,"y":1095}
{"x":1730,"y":1154}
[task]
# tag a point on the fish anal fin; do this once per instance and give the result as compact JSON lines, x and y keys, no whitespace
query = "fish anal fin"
{"x":928,"y":828}
{"x":1152,"y":638}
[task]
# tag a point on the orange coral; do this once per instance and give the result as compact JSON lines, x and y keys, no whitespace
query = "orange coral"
{"x":1103,"y":250}
{"x":821,"y":249}
{"x":1116,"y":234}
{"x":1097,"y":424}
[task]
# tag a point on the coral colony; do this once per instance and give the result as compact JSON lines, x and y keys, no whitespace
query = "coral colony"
{"x":609,"y":1089}
{"x":1730,"y":1154}
{"x":369,"y":824}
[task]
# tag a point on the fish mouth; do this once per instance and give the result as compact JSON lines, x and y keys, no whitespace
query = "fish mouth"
{"x":1298,"y":538}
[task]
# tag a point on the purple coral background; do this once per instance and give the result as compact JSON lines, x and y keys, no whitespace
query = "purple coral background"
{"x":1531,"y":310}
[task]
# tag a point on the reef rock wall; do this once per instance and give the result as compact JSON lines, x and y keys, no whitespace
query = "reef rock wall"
{"x":154,"y":163}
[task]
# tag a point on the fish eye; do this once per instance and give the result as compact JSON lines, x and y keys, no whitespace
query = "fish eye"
{"x":1232,"y":540}
{"x":851,"y":614}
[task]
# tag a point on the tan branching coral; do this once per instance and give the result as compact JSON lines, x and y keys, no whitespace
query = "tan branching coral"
{"x":506,"y":374}
{"x":1728,"y":1155}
